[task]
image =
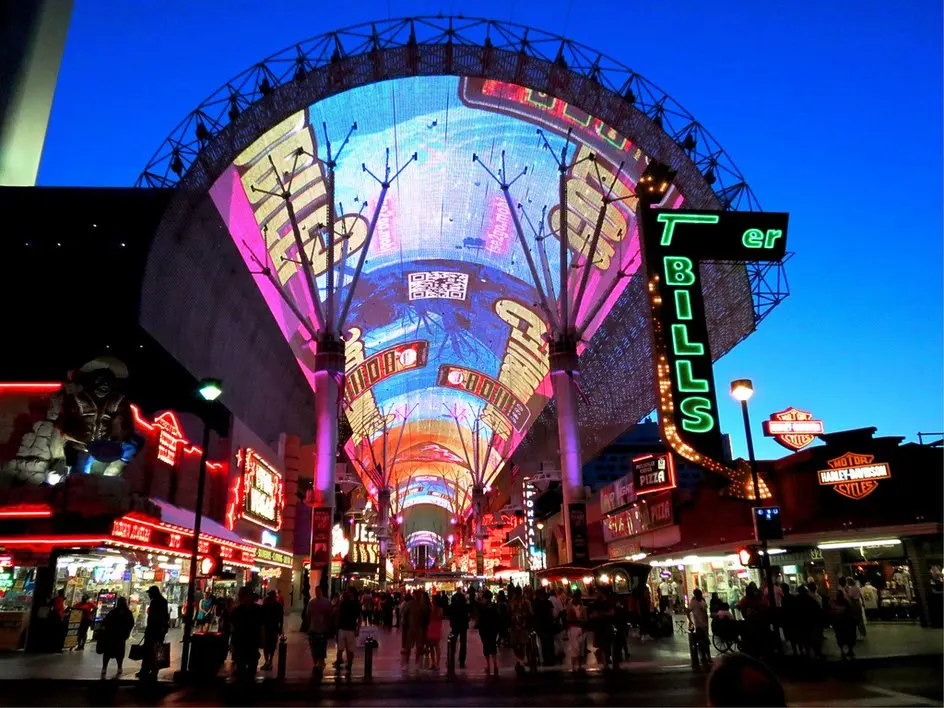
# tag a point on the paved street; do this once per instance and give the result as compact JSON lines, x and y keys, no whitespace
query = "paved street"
{"x":898,"y":665}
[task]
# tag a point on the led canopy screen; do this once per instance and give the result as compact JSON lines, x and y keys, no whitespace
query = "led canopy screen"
{"x":445,"y":321}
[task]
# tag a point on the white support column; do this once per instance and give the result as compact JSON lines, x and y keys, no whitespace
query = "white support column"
{"x":563,"y":366}
{"x":383,"y":532}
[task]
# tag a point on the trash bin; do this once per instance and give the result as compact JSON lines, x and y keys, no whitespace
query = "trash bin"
{"x":207,"y":653}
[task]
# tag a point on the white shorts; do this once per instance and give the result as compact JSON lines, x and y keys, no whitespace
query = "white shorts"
{"x":347,"y":640}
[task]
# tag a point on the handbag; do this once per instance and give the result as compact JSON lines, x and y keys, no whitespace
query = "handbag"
{"x":162,"y":655}
{"x":137,"y":652}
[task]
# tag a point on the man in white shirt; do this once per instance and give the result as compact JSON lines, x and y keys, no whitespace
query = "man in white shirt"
{"x":697,"y":612}
{"x":664,"y":591}
{"x":854,"y":596}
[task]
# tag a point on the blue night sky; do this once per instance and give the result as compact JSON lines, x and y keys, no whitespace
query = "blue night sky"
{"x":831,"y":110}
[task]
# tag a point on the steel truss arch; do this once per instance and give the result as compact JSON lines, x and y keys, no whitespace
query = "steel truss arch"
{"x":212,"y":135}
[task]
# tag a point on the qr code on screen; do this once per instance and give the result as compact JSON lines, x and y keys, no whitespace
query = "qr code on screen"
{"x":438,"y":284}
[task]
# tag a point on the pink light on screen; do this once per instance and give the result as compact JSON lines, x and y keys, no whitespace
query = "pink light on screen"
{"x":499,"y":228}
{"x":385,"y":236}
{"x":231,"y":201}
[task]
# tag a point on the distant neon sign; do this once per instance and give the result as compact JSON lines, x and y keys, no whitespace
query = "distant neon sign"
{"x":854,"y":475}
{"x":674,"y":243}
{"x":793,"y":428}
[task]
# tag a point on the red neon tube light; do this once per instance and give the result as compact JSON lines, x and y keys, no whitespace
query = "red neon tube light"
{"x":30,"y":387}
{"x":25,"y":511}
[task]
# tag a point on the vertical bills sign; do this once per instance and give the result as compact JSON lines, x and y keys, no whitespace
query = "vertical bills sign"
{"x":674,"y":242}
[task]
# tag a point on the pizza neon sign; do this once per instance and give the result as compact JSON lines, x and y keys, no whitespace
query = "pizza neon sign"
{"x":854,"y":475}
{"x":258,"y":494}
{"x":793,"y":428}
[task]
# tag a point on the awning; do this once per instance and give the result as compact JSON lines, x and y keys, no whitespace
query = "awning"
{"x":177,"y":516}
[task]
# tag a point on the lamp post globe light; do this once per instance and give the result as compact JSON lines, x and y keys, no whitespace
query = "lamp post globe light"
{"x":742,"y":390}
{"x":208,"y":391}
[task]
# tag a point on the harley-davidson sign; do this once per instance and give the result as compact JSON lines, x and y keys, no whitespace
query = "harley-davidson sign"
{"x":854,"y":475}
{"x":793,"y":428}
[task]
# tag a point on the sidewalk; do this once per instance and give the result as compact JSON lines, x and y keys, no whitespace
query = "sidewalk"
{"x":668,"y":654}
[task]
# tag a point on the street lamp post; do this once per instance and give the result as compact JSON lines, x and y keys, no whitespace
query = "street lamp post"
{"x":209,"y":390}
{"x":742,"y":390}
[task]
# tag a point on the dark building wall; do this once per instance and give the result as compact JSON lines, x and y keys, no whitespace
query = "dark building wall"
{"x":200,"y":302}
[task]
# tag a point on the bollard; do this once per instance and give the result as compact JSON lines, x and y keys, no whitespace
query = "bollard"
{"x":451,"y":654}
{"x":369,"y":645}
{"x":534,"y":657}
{"x":616,"y":650}
{"x":283,"y":656}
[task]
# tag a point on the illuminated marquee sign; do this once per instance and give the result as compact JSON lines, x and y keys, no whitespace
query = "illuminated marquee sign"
{"x":853,"y":475}
{"x":653,"y":473}
{"x":273,"y":556}
{"x":793,"y":428}
{"x":365,"y":548}
{"x":383,"y":365}
{"x":488,"y":389}
{"x":674,"y":241}
{"x":161,"y":538}
{"x":617,"y":495}
{"x":258,"y":495}
{"x":641,"y":518}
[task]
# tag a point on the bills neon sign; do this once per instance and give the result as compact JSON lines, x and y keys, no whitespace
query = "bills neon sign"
{"x":674,"y":242}
{"x":793,"y":428}
{"x":854,"y":475}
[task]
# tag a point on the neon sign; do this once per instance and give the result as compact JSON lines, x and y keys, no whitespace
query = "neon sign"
{"x":122,"y":528}
{"x":793,"y":428}
{"x":854,"y":475}
{"x":365,"y":548}
{"x":529,"y":495}
{"x":169,"y":438}
{"x":674,"y":242}
{"x":653,"y":473}
{"x":258,"y":495}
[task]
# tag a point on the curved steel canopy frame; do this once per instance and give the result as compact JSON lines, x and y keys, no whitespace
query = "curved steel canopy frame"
{"x":207,"y":140}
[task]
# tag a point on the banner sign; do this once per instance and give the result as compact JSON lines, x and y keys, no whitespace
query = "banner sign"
{"x":579,"y":539}
{"x":674,"y":242}
{"x":321,"y":518}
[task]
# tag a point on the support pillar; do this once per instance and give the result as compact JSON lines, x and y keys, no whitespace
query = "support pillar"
{"x":563,"y":362}
{"x":478,"y":507}
{"x":329,"y":365}
{"x":383,"y":532}
{"x":915,"y":551}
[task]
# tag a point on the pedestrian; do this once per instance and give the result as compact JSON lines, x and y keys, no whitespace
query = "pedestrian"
{"x":754,"y":611}
{"x":319,"y":616}
{"x":158,"y":621}
{"x":459,"y":624}
{"x":204,"y":610}
{"x":116,"y":628}
{"x":601,"y":620}
{"x":544,"y":625}
{"x":520,"y":621}
{"x":808,"y":618}
{"x":504,"y":618}
{"x":854,"y":595}
{"x":576,"y":619}
{"x":88,"y":609}
{"x":273,"y":616}
{"x":842,"y":618}
{"x":741,"y":680}
{"x":247,"y":621}
{"x":349,"y":625}
{"x":665,"y":592}
{"x":434,"y":631}
{"x":487,"y":624}
{"x":697,"y":612}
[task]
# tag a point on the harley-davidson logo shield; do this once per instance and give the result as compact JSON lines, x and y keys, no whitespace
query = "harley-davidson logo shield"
{"x":793,"y":428}
{"x":854,"y":475}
